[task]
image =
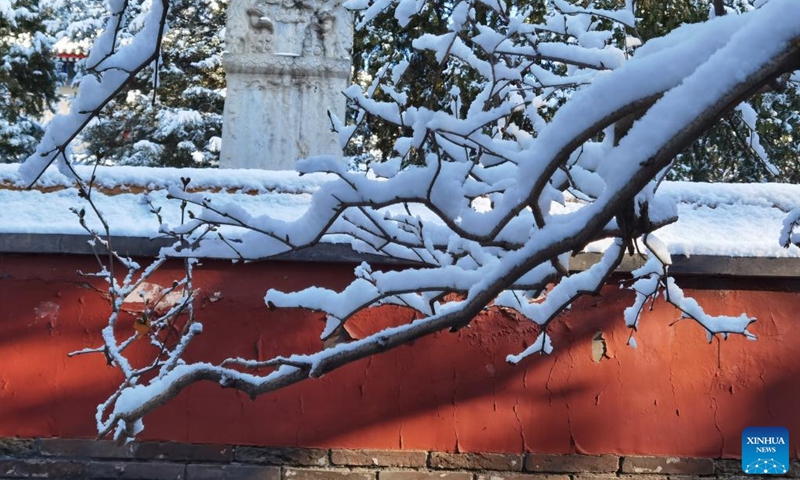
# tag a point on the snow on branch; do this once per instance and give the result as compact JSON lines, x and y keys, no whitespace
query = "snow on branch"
{"x":560,"y":140}
{"x":652,"y":278}
{"x":110,"y":66}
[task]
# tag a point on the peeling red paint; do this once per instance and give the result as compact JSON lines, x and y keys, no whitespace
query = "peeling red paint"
{"x":675,"y":394}
{"x":48,"y":313}
{"x":152,"y":295}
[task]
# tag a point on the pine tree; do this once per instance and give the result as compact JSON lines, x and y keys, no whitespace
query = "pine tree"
{"x":381,"y":38}
{"x":728,"y":152}
{"x":78,"y":21}
{"x":385,"y":42}
{"x":28,"y":79}
{"x":177,"y":122}
{"x":725,"y":153}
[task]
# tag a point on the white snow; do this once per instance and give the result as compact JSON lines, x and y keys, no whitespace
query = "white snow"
{"x":543,"y":344}
{"x":255,"y":181}
{"x":731,"y":220}
{"x":736,"y":220}
{"x":65,"y":46}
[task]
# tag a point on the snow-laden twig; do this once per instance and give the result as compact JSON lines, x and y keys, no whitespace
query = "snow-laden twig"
{"x":652,"y":279}
{"x":159,"y":328}
{"x":110,"y":66}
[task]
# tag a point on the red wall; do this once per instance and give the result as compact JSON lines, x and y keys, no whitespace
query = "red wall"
{"x":675,"y":394}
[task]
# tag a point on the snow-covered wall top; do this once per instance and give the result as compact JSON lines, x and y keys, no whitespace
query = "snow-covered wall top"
{"x":138,"y":178}
{"x":736,"y":220}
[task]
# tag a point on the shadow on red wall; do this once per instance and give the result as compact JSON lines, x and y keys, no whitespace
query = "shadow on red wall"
{"x":674,"y":394}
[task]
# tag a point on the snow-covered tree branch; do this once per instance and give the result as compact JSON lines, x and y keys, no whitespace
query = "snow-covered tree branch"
{"x":111,"y":64}
{"x":475,"y":198}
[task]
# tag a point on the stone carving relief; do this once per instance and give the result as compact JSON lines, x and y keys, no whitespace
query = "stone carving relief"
{"x":290,"y":28}
{"x":330,"y":33}
{"x":272,"y":120}
{"x":287,"y":62}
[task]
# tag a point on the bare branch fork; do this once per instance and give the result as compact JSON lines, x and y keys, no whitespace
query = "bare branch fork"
{"x":170,"y":332}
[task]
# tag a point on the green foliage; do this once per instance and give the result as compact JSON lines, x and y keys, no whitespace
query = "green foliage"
{"x":658,"y":17}
{"x":179,"y":123}
{"x":384,"y":41}
{"x":724,"y":153}
{"x":28,"y":80}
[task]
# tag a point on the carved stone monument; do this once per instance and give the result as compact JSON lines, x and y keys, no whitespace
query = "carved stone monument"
{"x":286,"y":64}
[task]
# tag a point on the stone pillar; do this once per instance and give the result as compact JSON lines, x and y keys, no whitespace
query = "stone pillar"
{"x":286,"y":64}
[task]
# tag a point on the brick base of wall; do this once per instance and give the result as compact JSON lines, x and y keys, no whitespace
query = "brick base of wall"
{"x":55,"y":458}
